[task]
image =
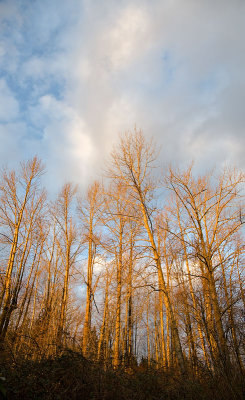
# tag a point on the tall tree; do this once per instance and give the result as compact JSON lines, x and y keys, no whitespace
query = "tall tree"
{"x":90,"y":211}
{"x":21,"y":200}
{"x":68,"y":248}
{"x":133,"y":163}
{"x":212,"y":214}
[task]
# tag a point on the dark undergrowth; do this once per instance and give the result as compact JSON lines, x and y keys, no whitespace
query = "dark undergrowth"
{"x":71,"y":376}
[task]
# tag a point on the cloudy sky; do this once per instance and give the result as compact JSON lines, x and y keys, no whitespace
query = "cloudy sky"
{"x":76,"y":73}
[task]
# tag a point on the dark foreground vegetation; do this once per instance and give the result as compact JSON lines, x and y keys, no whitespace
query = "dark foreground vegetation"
{"x":71,"y":376}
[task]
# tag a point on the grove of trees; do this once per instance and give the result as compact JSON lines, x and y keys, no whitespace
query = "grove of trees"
{"x":147,"y":267}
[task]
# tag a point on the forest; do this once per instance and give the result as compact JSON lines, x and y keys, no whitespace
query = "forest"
{"x":132,"y":290}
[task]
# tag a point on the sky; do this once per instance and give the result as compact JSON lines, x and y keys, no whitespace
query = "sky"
{"x":74,"y":74}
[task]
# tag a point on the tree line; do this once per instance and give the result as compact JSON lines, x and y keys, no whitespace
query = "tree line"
{"x":146,"y":264}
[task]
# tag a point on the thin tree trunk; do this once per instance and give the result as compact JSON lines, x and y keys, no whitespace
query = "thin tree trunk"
{"x":104,"y":328}
{"x":166,"y":295}
{"x":87,"y":320}
{"x":116,"y":360}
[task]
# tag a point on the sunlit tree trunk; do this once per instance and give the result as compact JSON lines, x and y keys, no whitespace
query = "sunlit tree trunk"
{"x":119,"y":261}
{"x":213,"y":216}
{"x":192,"y":293}
{"x":229,"y":301}
{"x":132,"y":164}
{"x":148,"y":334}
{"x":129,"y":304}
{"x":89,"y":210}
{"x":65,"y":243}
{"x":30,"y":173}
{"x":104,"y":326}
{"x":87,"y":320}
{"x":158,"y":355}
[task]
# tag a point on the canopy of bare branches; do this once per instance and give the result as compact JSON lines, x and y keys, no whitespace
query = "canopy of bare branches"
{"x":122,"y":274}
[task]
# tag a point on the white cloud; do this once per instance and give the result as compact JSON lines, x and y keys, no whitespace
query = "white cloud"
{"x":125,"y":39}
{"x":9,"y":108}
{"x":66,"y":144}
{"x":164,"y":66}
{"x":12,"y":146}
{"x":173,"y":68}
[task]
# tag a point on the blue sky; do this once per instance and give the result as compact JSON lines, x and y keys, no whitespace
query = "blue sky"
{"x":74,"y":74}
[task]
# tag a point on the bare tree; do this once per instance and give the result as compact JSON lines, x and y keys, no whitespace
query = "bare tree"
{"x":21,"y":201}
{"x":133,"y":163}
{"x":68,"y":248}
